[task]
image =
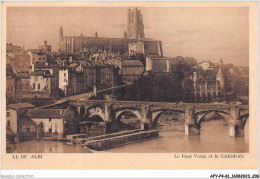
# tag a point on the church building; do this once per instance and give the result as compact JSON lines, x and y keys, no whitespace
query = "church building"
{"x":133,"y":41}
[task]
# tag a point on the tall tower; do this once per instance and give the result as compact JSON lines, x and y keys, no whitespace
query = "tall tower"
{"x":220,"y":77}
{"x":135,"y":27}
{"x":61,"y":32}
{"x":61,"y":38}
{"x":125,"y":35}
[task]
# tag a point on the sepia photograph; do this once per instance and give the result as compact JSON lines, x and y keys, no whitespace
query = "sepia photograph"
{"x":127,"y":78}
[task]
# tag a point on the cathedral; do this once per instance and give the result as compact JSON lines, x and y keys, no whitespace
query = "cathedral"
{"x":133,"y":41}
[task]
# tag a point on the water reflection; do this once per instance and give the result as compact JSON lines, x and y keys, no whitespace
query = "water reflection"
{"x":47,"y":146}
{"x":214,"y":138}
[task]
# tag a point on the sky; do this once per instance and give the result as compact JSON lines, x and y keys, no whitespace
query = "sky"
{"x":205,"y":33}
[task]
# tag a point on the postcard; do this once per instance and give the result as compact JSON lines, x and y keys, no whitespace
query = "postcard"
{"x":129,"y":85}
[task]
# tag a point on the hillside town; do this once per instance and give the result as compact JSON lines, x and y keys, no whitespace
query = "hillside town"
{"x":87,"y":64}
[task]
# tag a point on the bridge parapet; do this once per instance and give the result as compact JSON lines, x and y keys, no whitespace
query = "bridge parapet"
{"x":149,"y":112}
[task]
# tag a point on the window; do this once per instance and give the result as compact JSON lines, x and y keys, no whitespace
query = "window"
{"x":33,"y":86}
{"x":39,"y":86}
{"x":64,"y":74}
{"x":28,"y":129}
{"x":39,"y":58}
{"x":50,"y":130}
{"x":8,"y":123}
{"x":7,"y":114}
{"x":11,"y":88}
{"x":49,"y":119}
{"x":7,"y":88}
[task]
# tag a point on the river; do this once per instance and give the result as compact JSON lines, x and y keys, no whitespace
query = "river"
{"x":48,"y":146}
{"x":214,"y":138}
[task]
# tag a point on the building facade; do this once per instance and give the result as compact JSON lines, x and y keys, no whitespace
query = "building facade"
{"x":131,"y":70}
{"x":103,"y":76}
{"x":10,"y":89}
{"x":161,"y":64}
{"x":37,"y":56}
{"x":64,"y":78}
{"x":23,"y":86}
{"x":77,"y":83}
{"x":135,"y":36}
{"x":20,"y":62}
{"x":41,"y":83}
{"x":45,"y":47}
{"x":56,"y":122}
{"x":14,"y":112}
{"x":77,"y":44}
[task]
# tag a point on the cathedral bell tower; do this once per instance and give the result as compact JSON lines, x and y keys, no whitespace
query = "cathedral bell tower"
{"x":135,"y":27}
{"x":61,"y":38}
{"x":220,"y":77}
{"x":61,"y":32}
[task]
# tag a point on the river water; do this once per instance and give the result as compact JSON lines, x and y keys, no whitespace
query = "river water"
{"x":48,"y":146}
{"x":214,"y":138}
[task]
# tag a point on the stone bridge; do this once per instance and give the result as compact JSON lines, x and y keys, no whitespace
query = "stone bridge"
{"x":149,"y":112}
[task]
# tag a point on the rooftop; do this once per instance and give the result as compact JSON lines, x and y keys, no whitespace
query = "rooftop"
{"x":20,"y":105}
{"x":46,"y":113}
{"x":40,"y":72}
{"x":150,"y":40}
{"x":35,"y":51}
{"x":22,"y":75}
{"x":132,"y":63}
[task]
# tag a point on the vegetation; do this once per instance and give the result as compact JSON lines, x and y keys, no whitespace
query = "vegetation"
{"x":178,"y":86}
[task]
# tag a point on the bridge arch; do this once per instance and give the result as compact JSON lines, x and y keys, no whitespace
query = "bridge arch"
{"x":120,"y":111}
{"x":156,"y":114}
{"x":127,"y":118}
{"x":95,"y":111}
{"x":244,"y":119}
{"x":200,"y":116}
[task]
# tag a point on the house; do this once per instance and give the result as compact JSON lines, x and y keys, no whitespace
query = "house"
{"x":20,"y":62}
{"x":209,"y":85}
{"x":77,"y":82}
{"x":131,"y":70}
{"x":22,"y":85}
{"x":10,"y":88}
{"x":104,"y":76}
{"x":53,"y":76}
{"x":14,"y":113}
{"x":55,"y":122}
{"x":10,"y":48}
{"x":37,"y":56}
{"x":40,"y":83}
{"x":64,"y":78}
{"x":162,"y":64}
{"x":28,"y":129}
